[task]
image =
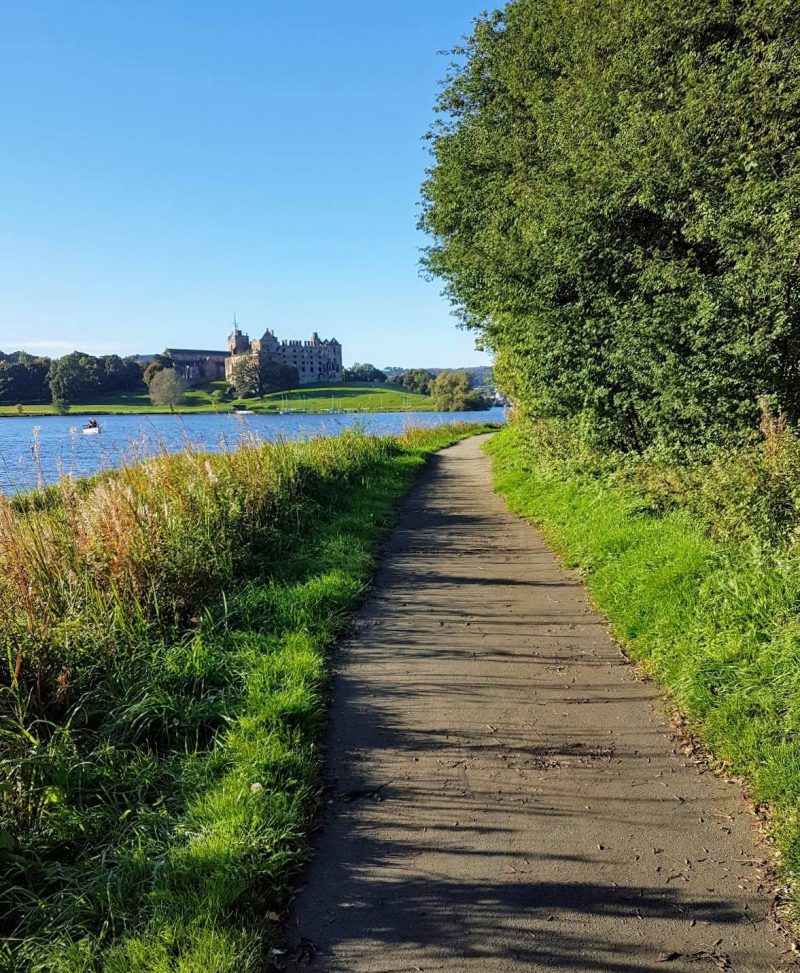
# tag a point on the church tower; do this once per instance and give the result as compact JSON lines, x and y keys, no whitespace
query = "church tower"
{"x":238,"y":343}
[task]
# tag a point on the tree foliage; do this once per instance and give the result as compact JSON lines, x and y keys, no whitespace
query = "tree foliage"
{"x":246,"y":376}
{"x":416,"y":380}
{"x":23,"y":378}
{"x":80,"y":377}
{"x":255,"y":375}
{"x":363,"y":373}
{"x":615,"y":208}
{"x":452,"y":391}
{"x":279,"y":378}
{"x":156,"y":364}
{"x":167,"y":387}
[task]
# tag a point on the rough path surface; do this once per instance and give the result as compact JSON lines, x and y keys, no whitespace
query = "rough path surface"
{"x":502,"y":791}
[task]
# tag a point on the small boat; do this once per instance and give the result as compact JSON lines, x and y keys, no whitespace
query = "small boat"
{"x":92,"y":428}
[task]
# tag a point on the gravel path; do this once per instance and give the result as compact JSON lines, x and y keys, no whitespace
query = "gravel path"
{"x":503,"y":793}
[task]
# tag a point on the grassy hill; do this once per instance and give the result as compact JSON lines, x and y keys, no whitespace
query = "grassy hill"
{"x":353,"y":397}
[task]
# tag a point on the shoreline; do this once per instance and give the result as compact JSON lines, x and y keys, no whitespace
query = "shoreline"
{"x":87,"y":411}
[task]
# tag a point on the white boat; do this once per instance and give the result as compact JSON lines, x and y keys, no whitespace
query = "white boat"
{"x":91,"y":430}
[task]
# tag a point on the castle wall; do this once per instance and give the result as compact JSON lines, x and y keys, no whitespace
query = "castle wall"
{"x":198,"y":366}
{"x":315,"y":360}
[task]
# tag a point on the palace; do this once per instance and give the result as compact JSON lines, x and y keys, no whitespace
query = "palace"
{"x":316,"y":360}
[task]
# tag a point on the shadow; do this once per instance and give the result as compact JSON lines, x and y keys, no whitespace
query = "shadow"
{"x":499,"y":793}
{"x":541,"y":924}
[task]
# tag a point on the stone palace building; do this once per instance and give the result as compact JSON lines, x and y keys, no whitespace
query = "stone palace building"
{"x":316,"y":360}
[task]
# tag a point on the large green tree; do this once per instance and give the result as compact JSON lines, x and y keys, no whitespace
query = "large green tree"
{"x":279,"y":378}
{"x":416,"y":380}
{"x":452,"y":391}
{"x":120,"y":374}
{"x":75,"y":377}
{"x":246,"y":376}
{"x":615,"y":207}
{"x":23,"y":378}
{"x":254,"y":375}
{"x":167,"y":387}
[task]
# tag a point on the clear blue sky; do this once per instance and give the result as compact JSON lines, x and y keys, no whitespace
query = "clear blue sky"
{"x":166,"y":162}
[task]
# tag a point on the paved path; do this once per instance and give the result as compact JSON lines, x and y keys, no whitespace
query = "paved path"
{"x":503,"y":793}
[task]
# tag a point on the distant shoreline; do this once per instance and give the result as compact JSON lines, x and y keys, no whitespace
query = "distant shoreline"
{"x":312,"y":399}
{"x":83,"y":412}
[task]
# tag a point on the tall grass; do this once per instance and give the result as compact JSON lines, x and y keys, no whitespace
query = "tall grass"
{"x":697,"y":567}
{"x":164,"y":631}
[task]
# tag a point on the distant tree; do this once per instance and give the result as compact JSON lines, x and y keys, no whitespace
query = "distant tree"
{"x":450,"y":391}
{"x":475,"y":402}
{"x":74,"y":377}
{"x":246,"y":376}
{"x":363,"y":373}
{"x":26,"y":378}
{"x":157,"y":364}
{"x":279,"y":378}
{"x":120,"y":374}
{"x":255,"y":375}
{"x":12,"y":378}
{"x":416,"y":380}
{"x":23,"y":378}
{"x":167,"y":387}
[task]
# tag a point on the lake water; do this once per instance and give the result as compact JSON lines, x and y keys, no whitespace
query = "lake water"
{"x":34,"y":449}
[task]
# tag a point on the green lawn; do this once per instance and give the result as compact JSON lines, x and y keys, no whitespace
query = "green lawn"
{"x":353,"y":397}
{"x":197,"y":400}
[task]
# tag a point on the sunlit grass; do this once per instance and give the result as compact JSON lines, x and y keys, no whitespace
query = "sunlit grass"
{"x":165,"y":631}
{"x":713,"y":621}
{"x":349,"y":397}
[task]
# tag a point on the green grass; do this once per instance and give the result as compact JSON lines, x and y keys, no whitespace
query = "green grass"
{"x":715,"y":623}
{"x":160,"y":726}
{"x":197,"y":400}
{"x":353,"y":397}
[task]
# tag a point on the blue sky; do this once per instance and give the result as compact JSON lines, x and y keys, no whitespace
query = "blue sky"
{"x":167,"y":163}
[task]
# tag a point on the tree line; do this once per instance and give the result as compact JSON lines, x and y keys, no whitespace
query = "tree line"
{"x":72,"y":378}
{"x":82,"y":378}
{"x":614,"y":207}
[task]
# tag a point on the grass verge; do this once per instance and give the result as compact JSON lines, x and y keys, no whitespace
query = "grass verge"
{"x":715,"y":622}
{"x":166,"y":631}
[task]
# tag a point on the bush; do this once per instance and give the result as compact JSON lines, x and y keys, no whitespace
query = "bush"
{"x":613,"y":208}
